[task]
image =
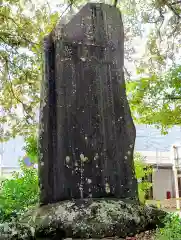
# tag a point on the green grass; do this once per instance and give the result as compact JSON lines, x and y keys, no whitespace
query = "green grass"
{"x":172,"y":229}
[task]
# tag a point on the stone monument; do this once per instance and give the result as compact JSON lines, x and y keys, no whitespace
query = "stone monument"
{"x":87,"y":134}
{"x":86,"y":137}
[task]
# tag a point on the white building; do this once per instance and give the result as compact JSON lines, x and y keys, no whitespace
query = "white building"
{"x":10,"y":153}
{"x":149,"y":142}
{"x":156,"y":151}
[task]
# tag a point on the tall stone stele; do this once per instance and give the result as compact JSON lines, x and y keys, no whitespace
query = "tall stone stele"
{"x":87,"y":134}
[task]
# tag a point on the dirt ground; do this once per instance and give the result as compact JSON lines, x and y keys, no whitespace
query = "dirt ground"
{"x":148,"y":235}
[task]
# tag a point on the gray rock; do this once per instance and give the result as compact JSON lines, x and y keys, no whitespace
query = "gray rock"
{"x":87,"y":134}
{"x":83,"y":219}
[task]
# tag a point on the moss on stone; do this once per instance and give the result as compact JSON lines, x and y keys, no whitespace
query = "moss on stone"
{"x":93,"y":218}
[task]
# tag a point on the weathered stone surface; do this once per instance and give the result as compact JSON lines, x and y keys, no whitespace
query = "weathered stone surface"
{"x":87,"y":135}
{"x":89,"y":219}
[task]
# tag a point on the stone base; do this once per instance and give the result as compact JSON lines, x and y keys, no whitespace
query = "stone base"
{"x":82,"y":219}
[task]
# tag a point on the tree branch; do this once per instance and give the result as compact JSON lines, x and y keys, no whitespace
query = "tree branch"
{"x":175,"y":3}
{"x":25,"y":108}
{"x":173,"y":10}
{"x":126,"y":72}
{"x":22,"y":36}
{"x":171,"y":97}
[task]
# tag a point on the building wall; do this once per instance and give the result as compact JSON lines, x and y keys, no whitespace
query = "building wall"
{"x":11,"y":152}
{"x":157,"y":158}
{"x":162,"y":182}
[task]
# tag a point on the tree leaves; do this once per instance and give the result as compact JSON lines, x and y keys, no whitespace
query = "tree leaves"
{"x":142,"y":171}
{"x":157,"y":99}
{"x":23,"y":26}
{"x":21,"y":38}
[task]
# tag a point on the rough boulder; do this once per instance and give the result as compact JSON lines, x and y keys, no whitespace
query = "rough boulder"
{"x":84,"y":219}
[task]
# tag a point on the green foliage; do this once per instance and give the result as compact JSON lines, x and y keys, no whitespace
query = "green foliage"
{"x":31,"y":148}
{"x":171,"y":230}
{"x":22,"y":190}
{"x":157,"y":99}
{"x":142,"y":171}
{"x":18,"y":193}
{"x":23,"y":24}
